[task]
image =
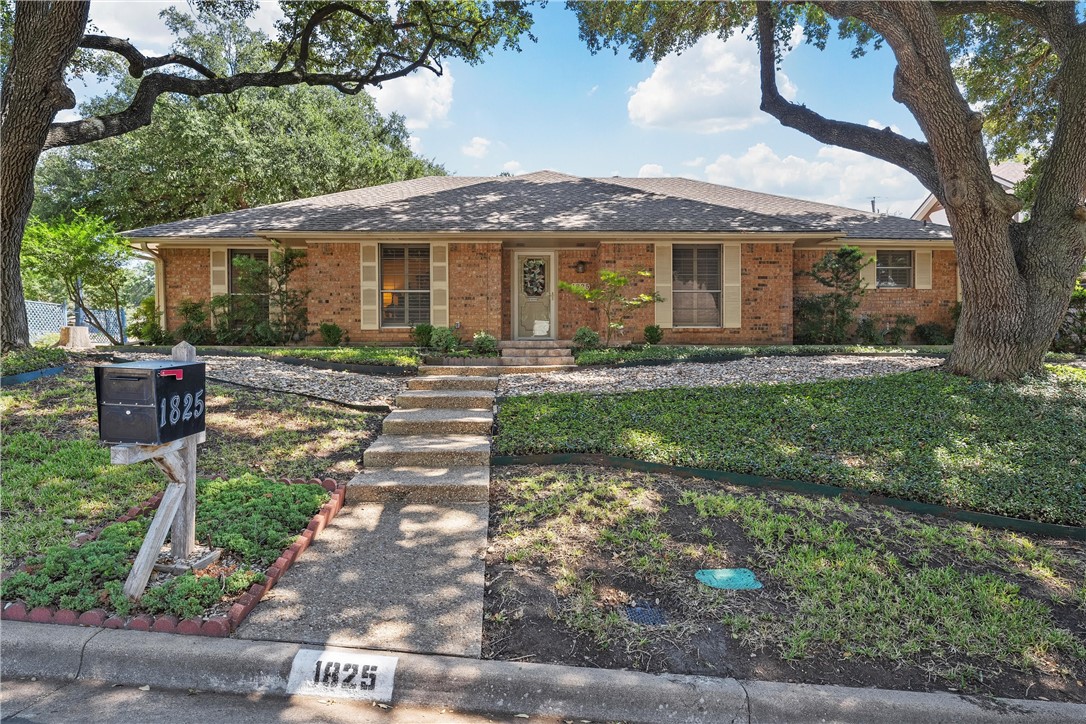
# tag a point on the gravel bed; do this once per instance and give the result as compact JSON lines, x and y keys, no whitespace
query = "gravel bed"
{"x":348,"y":387}
{"x":711,"y":374}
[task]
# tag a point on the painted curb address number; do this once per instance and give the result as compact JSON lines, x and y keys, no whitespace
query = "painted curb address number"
{"x":326,"y":672}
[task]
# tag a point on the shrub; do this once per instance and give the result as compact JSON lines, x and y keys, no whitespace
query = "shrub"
{"x":145,"y":326}
{"x":196,"y":329}
{"x":932,"y":333}
{"x":484,"y":343}
{"x":331,"y":334}
{"x":653,"y":334}
{"x":444,"y":339}
{"x":827,"y":318}
{"x":421,"y":333}
{"x":899,"y":330}
{"x":868,"y":330}
{"x":585,"y":338}
{"x":1071,"y":336}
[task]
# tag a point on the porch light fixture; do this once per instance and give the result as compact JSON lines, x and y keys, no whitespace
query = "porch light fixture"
{"x":580,"y":267}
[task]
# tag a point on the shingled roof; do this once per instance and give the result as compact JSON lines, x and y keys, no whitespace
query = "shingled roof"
{"x":545,"y":201}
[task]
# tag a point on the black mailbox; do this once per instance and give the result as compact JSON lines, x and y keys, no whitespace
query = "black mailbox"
{"x":149,"y":403}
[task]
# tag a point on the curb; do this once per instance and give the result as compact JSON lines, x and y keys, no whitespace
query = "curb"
{"x":214,"y":626}
{"x":496,"y":687}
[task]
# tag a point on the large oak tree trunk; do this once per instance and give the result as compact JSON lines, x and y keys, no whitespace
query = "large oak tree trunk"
{"x":46,"y":35}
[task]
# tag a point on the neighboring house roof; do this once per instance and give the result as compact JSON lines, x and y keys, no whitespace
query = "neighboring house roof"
{"x":1007,"y":174}
{"x":546,"y":201}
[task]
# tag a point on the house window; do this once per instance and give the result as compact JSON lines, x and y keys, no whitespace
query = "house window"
{"x":696,"y":286}
{"x":249,"y":293}
{"x":405,"y":285}
{"x":893,"y":269}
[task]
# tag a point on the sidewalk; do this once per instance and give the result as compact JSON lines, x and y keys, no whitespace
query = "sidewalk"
{"x":231,"y":666}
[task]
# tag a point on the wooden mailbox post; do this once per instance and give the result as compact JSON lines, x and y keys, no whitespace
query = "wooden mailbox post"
{"x":138,"y":401}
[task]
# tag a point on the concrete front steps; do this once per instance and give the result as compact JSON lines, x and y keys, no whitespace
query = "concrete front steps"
{"x":446,"y":399}
{"x":436,"y":420}
{"x":535,"y":353}
{"x":494,"y":370}
{"x":422,"y":485}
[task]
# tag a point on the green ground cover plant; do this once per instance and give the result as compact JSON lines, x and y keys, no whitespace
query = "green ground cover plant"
{"x":251,"y":519}
{"x":377,"y":356}
{"x":58,"y":480}
{"x":853,"y":593}
{"x":31,"y":359}
{"x":1007,"y":449}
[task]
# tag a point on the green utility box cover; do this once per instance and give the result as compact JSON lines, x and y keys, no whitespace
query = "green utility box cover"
{"x":731,"y":578}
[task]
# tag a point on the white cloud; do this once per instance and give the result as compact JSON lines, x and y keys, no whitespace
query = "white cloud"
{"x":652,"y":170}
{"x":415,"y":144}
{"x":712,"y":87}
{"x":422,"y":97}
{"x":833,"y":176}
{"x":478,"y":147}
{"x":513,"y":167}
{"x":592,"y":91}
{"x":695,"y":162}
{"x":66,"y":115}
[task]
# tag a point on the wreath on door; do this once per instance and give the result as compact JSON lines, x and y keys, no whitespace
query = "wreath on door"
{"x":535,"y":277}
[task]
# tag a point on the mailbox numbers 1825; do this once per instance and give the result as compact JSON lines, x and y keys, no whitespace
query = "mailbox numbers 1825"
{"x":180,"y":408}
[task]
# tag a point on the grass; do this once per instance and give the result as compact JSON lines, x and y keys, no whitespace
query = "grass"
{"x":58,"y":480}
{"x":843,"y":581}
{"x":249,"y":519}
{"x":1015,"y":450}
{"x":31,"y":359}
{"x":377,"y":356}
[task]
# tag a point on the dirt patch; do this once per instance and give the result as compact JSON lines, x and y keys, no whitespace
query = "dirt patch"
{"x":573,"y":548}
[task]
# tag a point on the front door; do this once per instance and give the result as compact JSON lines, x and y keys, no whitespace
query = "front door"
{"x":533,"y":303}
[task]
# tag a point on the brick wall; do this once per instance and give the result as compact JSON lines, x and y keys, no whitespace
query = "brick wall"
{"x":475,"y":289}
{"x":766,"y":283}
{"x":927,"y":305}
{"x":574,"y":312}
{"x":187,"y":275}
{"x":629,"y":258}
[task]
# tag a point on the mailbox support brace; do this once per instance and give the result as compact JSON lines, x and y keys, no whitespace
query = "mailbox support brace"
{"x":137,"y":579}
{"x":177,"y":511}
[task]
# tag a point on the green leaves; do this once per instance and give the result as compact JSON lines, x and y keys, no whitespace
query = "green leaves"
{"x":925,"y":436}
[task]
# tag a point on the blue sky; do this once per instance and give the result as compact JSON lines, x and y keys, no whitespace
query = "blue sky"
{"x":556,"y":106}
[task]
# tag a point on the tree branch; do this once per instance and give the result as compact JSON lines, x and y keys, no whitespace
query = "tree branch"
{"x":138,"y":63}
{"x":912,"y":155}
{"x":1053,"y":19}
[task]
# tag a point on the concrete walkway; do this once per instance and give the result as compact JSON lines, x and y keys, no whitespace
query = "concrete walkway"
{"x":401,"y":567}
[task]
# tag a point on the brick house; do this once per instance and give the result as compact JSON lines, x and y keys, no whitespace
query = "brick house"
{"x":486,"y":253}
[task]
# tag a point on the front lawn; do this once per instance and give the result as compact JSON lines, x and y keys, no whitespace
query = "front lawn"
{"x":1015,"y":450}
{"x":58,"y":480}
{"x":853,"y":594}
{"x":31,"y":359}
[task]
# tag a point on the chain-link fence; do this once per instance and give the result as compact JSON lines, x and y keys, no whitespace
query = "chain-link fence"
{"x":46,"y":318}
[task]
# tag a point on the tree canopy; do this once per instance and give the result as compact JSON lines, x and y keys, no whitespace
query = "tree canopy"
{"x":219,"y":153}
{"x":345,"y":46}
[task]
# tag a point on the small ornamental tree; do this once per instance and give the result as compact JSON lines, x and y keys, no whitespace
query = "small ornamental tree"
{"x":86,"y":255}
{"x":610,"y":297}
{"x":827,"y":318}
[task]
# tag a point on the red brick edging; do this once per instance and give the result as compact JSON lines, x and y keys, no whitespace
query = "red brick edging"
{"x":218,"y":626}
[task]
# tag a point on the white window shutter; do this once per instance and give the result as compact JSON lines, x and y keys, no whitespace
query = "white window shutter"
{"x":922,"y":269}
{"x":371,"y":290}
{"x":869,"y":274}
{"x":732,"y":285}
{"x":439,"y":284}
{"x":664,"y":280}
